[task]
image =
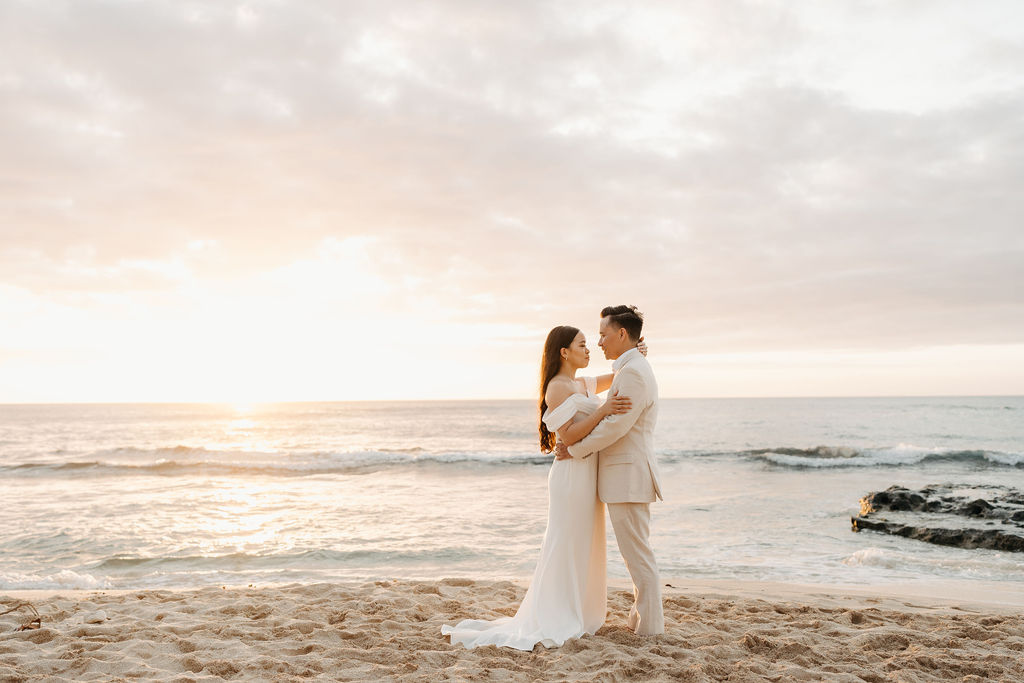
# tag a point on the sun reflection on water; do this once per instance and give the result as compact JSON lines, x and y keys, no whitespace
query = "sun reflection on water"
{"x":237,"y":521}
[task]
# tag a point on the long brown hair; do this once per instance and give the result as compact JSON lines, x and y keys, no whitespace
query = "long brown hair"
{"x":558,"y":338}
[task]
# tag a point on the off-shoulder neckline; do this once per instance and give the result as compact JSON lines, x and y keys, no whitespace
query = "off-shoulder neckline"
{"x":567,"y":399}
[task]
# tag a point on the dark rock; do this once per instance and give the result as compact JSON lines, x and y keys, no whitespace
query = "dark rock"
{"x":948,"y":515}
{"x":977,"y":508}
{"x":962,"y":538}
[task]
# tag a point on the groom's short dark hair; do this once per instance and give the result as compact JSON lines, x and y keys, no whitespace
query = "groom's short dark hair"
{"x":626,"y":317}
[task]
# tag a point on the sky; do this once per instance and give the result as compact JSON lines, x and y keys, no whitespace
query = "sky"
{"x":285,"y":201}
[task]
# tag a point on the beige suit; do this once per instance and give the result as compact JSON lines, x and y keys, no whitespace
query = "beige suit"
{"x":628,"y":481}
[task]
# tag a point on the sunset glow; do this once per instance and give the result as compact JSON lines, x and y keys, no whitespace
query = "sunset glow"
{"x":398,"y":204}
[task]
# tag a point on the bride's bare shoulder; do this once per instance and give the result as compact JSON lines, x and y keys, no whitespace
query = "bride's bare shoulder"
{"x":558,"y":390}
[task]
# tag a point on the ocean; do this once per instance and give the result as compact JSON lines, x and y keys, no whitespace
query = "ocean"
{"x":99,"y":496}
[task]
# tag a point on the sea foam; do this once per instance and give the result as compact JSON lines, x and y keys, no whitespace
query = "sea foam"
{"x":64,"y":579}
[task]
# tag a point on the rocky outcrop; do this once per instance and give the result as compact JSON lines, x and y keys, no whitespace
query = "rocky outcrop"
{"x":963,"y":516}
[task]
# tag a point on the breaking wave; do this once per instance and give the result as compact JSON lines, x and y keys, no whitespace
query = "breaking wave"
{"x":898,"y":456}
{"x":62,"y":580}
{"x":184,"y":461}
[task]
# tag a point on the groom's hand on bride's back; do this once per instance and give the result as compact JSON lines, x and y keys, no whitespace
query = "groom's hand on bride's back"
{"x":561,"y":451}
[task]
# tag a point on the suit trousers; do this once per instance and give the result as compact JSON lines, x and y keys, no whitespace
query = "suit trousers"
{"x":632,"y":524}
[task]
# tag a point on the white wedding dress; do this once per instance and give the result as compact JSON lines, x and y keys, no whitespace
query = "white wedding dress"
{"x":568,"y":594}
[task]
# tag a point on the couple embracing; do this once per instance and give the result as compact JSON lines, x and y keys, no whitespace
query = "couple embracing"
{"x":604,"y":455}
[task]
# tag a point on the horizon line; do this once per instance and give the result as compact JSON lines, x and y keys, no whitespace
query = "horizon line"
{"x":485,"y":400}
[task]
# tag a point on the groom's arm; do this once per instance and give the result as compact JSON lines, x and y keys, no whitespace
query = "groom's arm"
{"x":629,"y":383}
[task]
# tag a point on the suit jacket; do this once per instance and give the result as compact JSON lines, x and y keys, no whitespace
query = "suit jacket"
{"x":627,"y":469}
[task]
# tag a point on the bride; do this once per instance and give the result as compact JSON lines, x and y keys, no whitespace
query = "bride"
{"x":568,"y":594}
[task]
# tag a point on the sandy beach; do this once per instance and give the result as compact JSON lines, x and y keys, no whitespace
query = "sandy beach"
{"x":390,"y":631}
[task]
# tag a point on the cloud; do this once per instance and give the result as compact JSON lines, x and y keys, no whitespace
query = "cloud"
{"x":757,"y":176}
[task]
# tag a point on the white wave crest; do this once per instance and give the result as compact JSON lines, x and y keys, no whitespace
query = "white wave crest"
{"x":872,"y":557}
{"x":930,"y":561}
{"x":1011,"y":459}
{"x":64,"y":579}
{"x":894,"y":456}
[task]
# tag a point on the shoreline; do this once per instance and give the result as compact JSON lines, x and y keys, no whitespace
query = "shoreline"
{"x":939,"y":593}
{"x":390,"y":630}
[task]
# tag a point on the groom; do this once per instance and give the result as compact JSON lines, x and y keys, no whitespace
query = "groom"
{"x":627,"y":475}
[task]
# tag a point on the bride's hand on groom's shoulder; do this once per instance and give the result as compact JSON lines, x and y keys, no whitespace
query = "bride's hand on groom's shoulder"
{"x":641,"y":346}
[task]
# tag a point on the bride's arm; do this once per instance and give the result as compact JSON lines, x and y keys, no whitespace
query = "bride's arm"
{"x":575,"y":429}
{"x":604,"y":382}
